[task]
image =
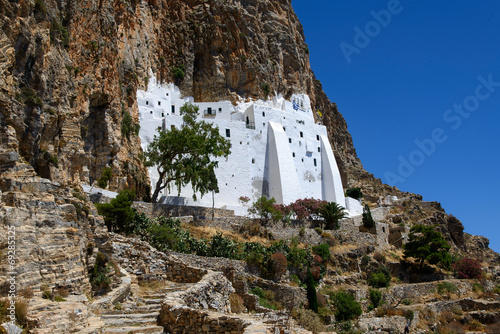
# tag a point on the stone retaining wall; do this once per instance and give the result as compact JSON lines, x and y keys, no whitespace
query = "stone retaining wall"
{"x":157,"y":209}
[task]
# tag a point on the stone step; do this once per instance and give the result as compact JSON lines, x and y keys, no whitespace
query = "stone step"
{"x":148,"y":308}
{"x":134,"y":330}
{"x":130,"y":319}
{"x":153,"y":301}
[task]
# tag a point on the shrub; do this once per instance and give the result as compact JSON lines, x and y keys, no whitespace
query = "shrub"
{"x":375,"y":297}
{"x":221,"y":246}
{"x":128,"y":125}
{"x":265,"y":88}
{"x":318,"y":230}
{"x":264,"y":208}
{"x":178,"y":71}
{"x":266,"y":298}
{"x":279,"y":265}
{"x":21,"y":311}
{"x":312,"y":297}
{"x":308,"y":320}
{"x":99,"y":275}
{"x":467,"y":269}
{"x":237,"y":305}
{"x":58,"y":298}
{"x":106,"y":175}
{"x":477,"y":288}
{"x":367,"y":219}
{"x":323,"y":251}
{"x":380,"y":278}
{"x":346,"y":306}
{"x":302,"y":231}
{"x":118,"y":213}
{"x":447,"y":288}
{"x":355,"y":193}
{"x":496,"y":290}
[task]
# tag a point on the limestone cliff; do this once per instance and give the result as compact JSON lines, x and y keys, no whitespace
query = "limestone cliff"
{"x":70,"y":71}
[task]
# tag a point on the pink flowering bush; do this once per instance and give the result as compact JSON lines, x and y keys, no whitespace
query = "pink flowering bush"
{"x":307,"y":208}
{"x":467,"y":268}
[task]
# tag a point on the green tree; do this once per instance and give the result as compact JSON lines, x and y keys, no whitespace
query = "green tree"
{"x":368,"y":221}
{"x":187,"y":155}
{"x":346,"y":306}
{"x":425,"y":243}
{"x":332,"y":213}
{"x":312,"y":297}
{"x":355,"y":193}
{"x":118,"y":213}
{"x":265,"y":209}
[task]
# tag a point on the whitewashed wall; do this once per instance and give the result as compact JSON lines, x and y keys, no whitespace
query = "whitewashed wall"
{"x":283,"y":154}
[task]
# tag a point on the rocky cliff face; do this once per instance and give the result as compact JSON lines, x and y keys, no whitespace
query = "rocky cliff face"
{"x":70,"y":71}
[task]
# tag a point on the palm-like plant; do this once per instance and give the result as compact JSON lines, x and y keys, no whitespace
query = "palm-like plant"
{"x":332,"y":213}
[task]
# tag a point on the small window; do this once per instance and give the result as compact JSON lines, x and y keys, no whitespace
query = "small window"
{"x":162,"y":114}
{"x":302,"y":159}
{"x":264,"y":124}
{"x":383,"y":229}
{"x":147,"y":103}
{"x":166,"y":94}
{"x":284,"y":129}
{"x":263,"y":114}
{"x":290,"y":140}
{"x":319,"y":149}
{"x":241,"y":143}
{"x":151,"y":112}
{"x":159,"y":103}
{"x":253,"y":160}
{"x":220,"y":109}
{"x":317,"y":137}
{"x":293,"y":154}
{"x":301,"y":134}
{"x":173,"y":109}
{"x":315,"y":164}
{"x":228,"y":133}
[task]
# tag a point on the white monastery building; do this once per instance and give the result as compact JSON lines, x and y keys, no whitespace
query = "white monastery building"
{"x":277,"y":149}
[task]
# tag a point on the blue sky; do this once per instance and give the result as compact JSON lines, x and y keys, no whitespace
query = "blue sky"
{"x":420,"y":90}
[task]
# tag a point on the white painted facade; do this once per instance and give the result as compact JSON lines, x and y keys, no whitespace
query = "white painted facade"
{"x":276,"y":150}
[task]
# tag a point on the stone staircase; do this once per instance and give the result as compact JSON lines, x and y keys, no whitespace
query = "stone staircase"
{"x":138,"y":314}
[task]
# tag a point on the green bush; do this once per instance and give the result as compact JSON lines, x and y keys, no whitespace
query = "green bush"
{"x":367,"y":219}
{"x":266,"y":298}
{"x":99,"y":276}
{"x":375,"y":297}
{"x":265,"y":88}
{"x":447,"y":288}
{"x":312,"y":297}
{"x":106,"y":175}
{"x":128,"y":125}
{"x":308,"y":320}
{"x":323,"y":251}
{"x":119,"y":214}
{"x":380,"y":278}
{"x":346,"y":306}
{"x":355,"y":193}
{"x":221,"y":246}
{"x":178,"y":71}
